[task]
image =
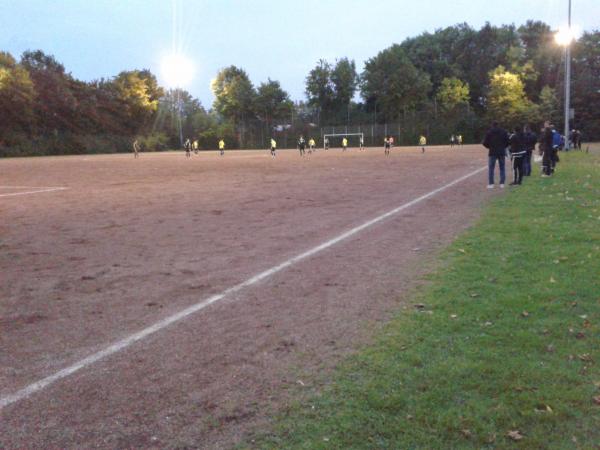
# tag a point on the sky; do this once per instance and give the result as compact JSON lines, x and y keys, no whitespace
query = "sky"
{"x":277,"y":39}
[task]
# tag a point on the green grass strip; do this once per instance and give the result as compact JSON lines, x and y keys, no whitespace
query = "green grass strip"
{"x":507,"y":339}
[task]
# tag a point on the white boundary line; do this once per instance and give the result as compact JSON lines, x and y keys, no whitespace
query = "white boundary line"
{"x":39,"y":191}
{"x":157,"y":326}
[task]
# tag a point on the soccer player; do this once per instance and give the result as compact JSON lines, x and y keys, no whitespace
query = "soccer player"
{"x":311,"y":145}
{"x":222,"y":147}
{"x":273,"y":147}
{"x":362,"y":143}
{"x":386,"y":146}
{"x":188,"y":148}
{"x":326,"y":143}
{"x":195,"y":146}
{"x":459,"y":140}
{"x":391,"y":142}
{"x":344,"y":144}
{"x":136,"y":149}
{"x":301,"y":145}
{"x":422,"y":143}
{"x":452,"y":140}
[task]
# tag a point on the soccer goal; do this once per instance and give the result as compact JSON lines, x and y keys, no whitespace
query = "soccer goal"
{"x":337,"y":139}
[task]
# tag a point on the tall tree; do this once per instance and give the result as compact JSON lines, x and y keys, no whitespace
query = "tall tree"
{"x":391,"y":83}
{"x":548,"y":104}
{"x":320,"y":89}
{"x":507,"y":102}
{"x":452,"y":94}
{"x":586,"y":84}
{"x":234,"y":97}
{"x":139,"y":92}
{"x":17,"y":97}
{"x":56,"y":106}
{"x":345,"y":82}
{"x":272,"y":103}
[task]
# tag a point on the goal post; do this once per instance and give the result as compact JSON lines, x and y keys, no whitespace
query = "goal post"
{"x":340,"y":136}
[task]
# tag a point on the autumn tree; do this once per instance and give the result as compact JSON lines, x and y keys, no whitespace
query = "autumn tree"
{"x":507,"y":102}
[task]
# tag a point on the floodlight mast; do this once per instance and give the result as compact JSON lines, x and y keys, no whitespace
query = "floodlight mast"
{"x":566,"y":37}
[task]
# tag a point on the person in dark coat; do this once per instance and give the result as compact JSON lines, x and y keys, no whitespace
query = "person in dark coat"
{"x":530,"y":141}
{"x":546,"y":142}
{"x":517,"y":154}
{"x":496,"y":141}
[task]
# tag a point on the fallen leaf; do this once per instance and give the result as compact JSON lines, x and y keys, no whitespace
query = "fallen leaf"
{"x":419,"y":305}
{"x":525,"y":314}
{"x":453,"y":316}
{"x":585,"y":357}
{"x":597,"y":399}
{"x":474,"y":294}
{"x":466,"y":433}
{"x":462,"y":250}
{"x":491,"y":438}
{"x":583,"y":316}
{"x":550,"y":348}
{"x":300,"y":382}
{"x":488,"y":324}
{"x":552,"y":280}
{"x":515,"y":435}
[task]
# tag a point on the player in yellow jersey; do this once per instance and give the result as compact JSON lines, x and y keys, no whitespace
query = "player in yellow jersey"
{"x":459,"y":140}
{"x":311,"y":145}
{"x":344,"y":144}
{"x":222,"y":147}
{"x":195,"y":146}
{"x":273,"y":147}
{"x":422,"y":143}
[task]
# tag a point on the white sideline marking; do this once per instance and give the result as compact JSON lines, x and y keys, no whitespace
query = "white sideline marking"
{"x":38,"y":191}
{"x":131,"y":339}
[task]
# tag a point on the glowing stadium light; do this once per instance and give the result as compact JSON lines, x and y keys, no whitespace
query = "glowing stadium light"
{"x":177,"y":70}
{"x":566,"y":35}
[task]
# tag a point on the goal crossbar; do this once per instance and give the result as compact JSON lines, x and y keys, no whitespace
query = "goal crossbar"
{"x":362,"y":135}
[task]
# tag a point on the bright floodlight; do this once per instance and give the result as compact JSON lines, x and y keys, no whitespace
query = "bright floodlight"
{"x":177,"y":70}
{"x":565,"y":36}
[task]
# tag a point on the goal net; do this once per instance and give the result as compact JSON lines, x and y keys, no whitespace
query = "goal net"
{"x":335,"y":139}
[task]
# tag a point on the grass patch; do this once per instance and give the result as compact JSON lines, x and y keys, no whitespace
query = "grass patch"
{"x":506,"y":339}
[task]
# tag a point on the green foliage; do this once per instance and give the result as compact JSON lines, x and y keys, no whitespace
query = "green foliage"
{"x":272,"y":103}
{"x":139,"y":93}
{"x":392,"y":84}
{"x":17,"y":96}
{"x":452,"y":94}
{"x":507,"y":102}
{"x":345,"y":82}
{"x":586,"y":84}
{"x":506,"y":339}
{"x":320,"y":89}
{"x":548,"y":105}
{"x":234,"y":94}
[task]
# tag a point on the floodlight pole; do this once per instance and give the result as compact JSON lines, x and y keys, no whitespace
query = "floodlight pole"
{"x":568,"y":85}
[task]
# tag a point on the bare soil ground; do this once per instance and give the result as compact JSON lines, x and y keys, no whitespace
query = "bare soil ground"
{"x":132,"y":241}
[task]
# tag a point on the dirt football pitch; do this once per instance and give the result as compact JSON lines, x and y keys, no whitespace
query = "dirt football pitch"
{"x":166,"y":302}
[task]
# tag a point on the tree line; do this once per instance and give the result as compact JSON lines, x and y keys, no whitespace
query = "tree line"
{"x":455,"y":79}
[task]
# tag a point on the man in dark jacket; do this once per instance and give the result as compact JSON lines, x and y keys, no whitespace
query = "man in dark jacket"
{"x":546,"y":141}
{"x":496,"y":141}
{"x":517,"y":154}
{"x":530,"y":141}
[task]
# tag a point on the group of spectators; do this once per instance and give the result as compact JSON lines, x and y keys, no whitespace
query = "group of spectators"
{"x":520,"y":145}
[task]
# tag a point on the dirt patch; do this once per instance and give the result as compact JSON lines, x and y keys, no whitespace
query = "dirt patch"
{"x":189,"y":229}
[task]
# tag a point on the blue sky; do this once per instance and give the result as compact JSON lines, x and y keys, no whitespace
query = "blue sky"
{"x":278,"y":39}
